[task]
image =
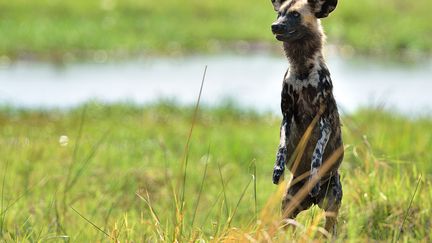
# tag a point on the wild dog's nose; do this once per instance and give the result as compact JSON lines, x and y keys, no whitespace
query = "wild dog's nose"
{"x":278,"y":28}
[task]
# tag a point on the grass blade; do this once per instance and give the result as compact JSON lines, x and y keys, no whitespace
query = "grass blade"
{"x":212,"y":207}
{"x":154,"y":215}
{"x":409,"y":208}
{"x":186,"y":149}
{"x":201,"y":188}
{"x":86,"y":162}
{"x":255,"y":190}
{"x":3,"y":211}
{"x":21,"y":196}
{"x":304,"y":191}
{"x":76,"y":147}
{"x":90,"y":222}
{"x":182,"y":185}
{"x":238,"y":203}
{"x":224,"y":191}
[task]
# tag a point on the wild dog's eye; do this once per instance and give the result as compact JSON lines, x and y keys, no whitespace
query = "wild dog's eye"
{"x":296,"y":14}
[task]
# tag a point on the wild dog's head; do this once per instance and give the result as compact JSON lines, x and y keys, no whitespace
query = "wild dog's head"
{"x":298,"y":19}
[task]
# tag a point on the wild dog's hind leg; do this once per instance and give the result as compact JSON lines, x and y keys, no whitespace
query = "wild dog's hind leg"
{"x":291,"y":208}
{"x":281,"y":155}
{"x":317,"y":156}
{"x":331,"y":202}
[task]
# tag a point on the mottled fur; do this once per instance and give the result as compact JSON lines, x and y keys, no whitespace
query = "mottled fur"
{"x":306,"y":94}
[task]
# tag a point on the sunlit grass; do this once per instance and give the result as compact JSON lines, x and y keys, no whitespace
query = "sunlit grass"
{"x":127,"y":162}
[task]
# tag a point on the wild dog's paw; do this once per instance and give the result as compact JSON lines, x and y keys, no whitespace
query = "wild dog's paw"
{"x":278,"y":174}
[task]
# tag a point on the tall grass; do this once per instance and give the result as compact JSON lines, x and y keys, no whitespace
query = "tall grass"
{"x":128,"y":192}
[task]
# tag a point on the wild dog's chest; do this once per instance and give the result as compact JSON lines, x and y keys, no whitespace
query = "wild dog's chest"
{"x":307,"y":94}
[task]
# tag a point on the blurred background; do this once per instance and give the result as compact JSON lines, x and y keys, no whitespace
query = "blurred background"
{"x":63,"y":53}
{"x":99,"y":139}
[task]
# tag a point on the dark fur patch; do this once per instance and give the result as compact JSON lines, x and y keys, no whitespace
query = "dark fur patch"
{"x":299,"y":52}
{"x":325,"y":9}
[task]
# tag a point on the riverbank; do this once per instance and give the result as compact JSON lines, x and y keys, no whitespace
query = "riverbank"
{"x":118,"y":167}
{"x":59,"y":31}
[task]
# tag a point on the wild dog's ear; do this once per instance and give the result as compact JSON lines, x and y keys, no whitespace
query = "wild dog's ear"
{"x":277,"y":4}
{"x":322,"y":8}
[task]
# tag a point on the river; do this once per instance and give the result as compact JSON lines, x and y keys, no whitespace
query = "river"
{"x":252,"y":81}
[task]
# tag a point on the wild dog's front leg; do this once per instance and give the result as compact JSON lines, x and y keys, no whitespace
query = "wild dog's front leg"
{"x":281,"y":155}
{"x":317,"y":156}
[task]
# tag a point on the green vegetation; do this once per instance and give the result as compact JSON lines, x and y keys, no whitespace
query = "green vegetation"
{"x":121,"y":158}
{"x":57,"y":29}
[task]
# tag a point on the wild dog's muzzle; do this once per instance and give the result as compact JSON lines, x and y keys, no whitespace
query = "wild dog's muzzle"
{"x":278,"y":28}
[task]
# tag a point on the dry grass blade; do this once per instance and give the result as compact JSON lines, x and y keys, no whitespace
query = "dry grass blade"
{"x":299,"y":151}
{"x":311,"y":230}
{"x":154,"y":215}
{"x":266,"y":217}
{"x":304,"y":191}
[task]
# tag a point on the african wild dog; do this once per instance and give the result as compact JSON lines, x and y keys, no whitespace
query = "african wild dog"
{"x":307,"y":96}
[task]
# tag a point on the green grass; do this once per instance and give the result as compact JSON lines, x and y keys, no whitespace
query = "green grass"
{"x":122,"y":170}
{"x":61,"y":30}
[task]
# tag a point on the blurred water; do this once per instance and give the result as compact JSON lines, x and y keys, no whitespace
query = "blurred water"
{"x":253,"y":81}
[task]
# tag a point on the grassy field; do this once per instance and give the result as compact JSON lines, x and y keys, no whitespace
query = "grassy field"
{"x":63,"y":30}
{"x":121,"y":171}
